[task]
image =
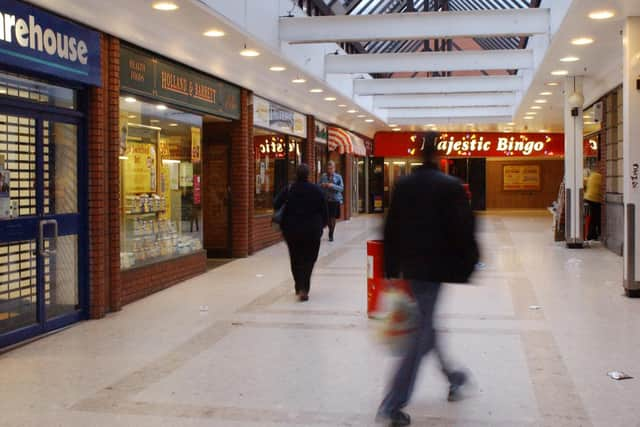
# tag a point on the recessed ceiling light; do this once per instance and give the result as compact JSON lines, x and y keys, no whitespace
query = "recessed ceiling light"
{"x":540,"y":101}
{"x":601,"y":14}
{"x":154,"y":121}
{"x":570,"y":59}
{"x":161,"y":107}
{"x":277,"y":68}
{"x":130,"y":99}
{"x":544,"y":130}
{"x":342,"y":105}
{"x":511,"y":124}
{"x":316,"y":90}
{"x":361,"y":116}
{"x":214,"y":33}
{"x":369,"y":120}
{"x":531,"y":113}
{"x":546,"y":93}
{"x":536,"y":107}
{"x":173,"y":125}
{"x":529,"y":117}
{"x":352,"y":111}
{"x":582,"y":41}
{"x":298,"y":80}
{"x":132,"y":116}
{"x":249,"y":53}
{"x":330,"y":98}
{"x":559,"y":73}
{"x":552,"y":84}
{"x":165,"y":6}
{"x":396,"y":129}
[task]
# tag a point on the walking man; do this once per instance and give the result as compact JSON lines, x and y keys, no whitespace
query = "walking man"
{"x":429,"y":239}
{"x":333,"y":186}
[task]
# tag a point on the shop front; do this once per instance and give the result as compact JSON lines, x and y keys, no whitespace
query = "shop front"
{"x":321,"y":147}
{"x":346,"y":150}
{"x":48,"y":65}
{"x":279,"y":144}
{"x":503,"y":170}
{"x":173,"y":187}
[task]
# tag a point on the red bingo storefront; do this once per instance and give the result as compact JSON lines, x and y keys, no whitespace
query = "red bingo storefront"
{"x":503,"y":170}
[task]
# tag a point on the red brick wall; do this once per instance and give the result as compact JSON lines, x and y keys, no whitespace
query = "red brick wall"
{"x":98,"y":195}
{"x":144,"y":281}
{"x":263,"y":234}
{"x":240,"y":181}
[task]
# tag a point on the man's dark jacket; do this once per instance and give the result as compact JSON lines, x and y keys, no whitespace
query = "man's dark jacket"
{"x":429,"y":231}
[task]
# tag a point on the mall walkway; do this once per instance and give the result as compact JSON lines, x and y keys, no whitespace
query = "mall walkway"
{"x":234,"y":348}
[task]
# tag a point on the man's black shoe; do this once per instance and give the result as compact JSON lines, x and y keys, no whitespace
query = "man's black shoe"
{"x":457,"y":380}
{"x":395,"y":419}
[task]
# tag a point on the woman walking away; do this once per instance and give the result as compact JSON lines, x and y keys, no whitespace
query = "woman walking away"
{"x":305,"y":216}
{"x":333,"y":186}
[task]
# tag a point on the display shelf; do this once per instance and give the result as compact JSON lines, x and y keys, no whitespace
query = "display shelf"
{"x":144,"y":213}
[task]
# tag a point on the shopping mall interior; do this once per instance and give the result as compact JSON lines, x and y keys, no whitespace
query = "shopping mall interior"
{"x":145,"y":149}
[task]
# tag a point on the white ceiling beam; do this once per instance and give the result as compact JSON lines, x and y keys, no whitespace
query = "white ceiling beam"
{"x":425,"y":113}
{"x":415,"y":26}
{"x":437,"y":85}
{"x":430,"y":61}
{"x":421,"y":121}
{"x":444,"y":100}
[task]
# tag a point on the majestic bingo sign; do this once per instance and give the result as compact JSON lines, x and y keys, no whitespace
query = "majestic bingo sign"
{"x":472,"y":144}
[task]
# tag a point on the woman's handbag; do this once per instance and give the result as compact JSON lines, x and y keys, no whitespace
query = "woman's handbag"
{"x":278,"y":215}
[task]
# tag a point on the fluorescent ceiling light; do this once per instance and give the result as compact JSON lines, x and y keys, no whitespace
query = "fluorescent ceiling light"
{"x":544,"y":130}
{"x":570,"y":59}
{"x":601,"y":14}
{"x":214,"y":33}
{"x":130,"y":99}
{"x":352,"y":111}
{"x":161,"y":107}
{"x":559,"y":73}
{"x":316,"y":90}
{"x":277,"y":68}
{"x":529,"y":117}
{"x":552,"y":84}
{"x":369,"y":120}
{"x":132,"y":116}
{"x":546,"y":93}
{"x":173,"y":125}
{"x":330,"y":98}
{"x":396,"y":129}
{"x":342,"y":105}
{"x":536,"y":107}
{"x":582,"y":41}
{"x":540,"y":101}
{"x":531,"y":113}
{"x":298,"y":80}
{"x":511,"y":124}
{"x":165,"y":6}
{"x":361,"y":116}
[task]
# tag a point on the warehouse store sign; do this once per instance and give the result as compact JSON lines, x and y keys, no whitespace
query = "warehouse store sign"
{"x":462,"y":144}
{"x":157,"y":78}
{"x":34,"y":40}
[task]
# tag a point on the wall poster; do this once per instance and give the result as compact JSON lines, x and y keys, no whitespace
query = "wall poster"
{"x":521,"y":178}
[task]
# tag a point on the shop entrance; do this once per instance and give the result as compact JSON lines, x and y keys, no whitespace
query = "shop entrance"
{"x":472,"y":171}
{"x":42,"y":226}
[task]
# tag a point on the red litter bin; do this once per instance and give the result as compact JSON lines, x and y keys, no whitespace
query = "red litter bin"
{"x":376,"y":283}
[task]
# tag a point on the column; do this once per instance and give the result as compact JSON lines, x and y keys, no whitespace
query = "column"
{"x":631,"y":155}
{"x":573,"y":162}
{"x":240,"y":181}
{"x":310,"y":148}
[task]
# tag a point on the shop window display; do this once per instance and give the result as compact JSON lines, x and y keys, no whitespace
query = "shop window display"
{"x":160,"y":182}
{"x":276,"y":159}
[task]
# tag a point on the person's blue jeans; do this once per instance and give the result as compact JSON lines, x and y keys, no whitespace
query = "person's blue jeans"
{"x":424,"y":340}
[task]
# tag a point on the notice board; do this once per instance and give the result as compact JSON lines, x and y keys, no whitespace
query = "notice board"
{"x":521,"y":178}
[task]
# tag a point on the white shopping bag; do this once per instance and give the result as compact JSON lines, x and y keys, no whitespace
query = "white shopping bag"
{"x":399,"y":320}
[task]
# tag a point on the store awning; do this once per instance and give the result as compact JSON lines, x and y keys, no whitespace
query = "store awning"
{"x":346,"y":143}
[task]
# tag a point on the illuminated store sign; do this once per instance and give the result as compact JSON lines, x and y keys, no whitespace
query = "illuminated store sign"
{"x":35,"y":40}
{"x":462,"y":144}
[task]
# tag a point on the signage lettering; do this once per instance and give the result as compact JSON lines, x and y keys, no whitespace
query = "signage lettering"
{"x":635,"y":176}
{"x":36,"y":40}
{"x":460,"y":144}
{"x":142,"y":73}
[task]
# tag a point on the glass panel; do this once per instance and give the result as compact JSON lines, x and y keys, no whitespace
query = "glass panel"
{"x":18,"y":301}
{"x":270,"y":168}
{"x":295,"y":157}
{"x":60,"y":168}
{"x":160,"y":182}
{"x":21,"y":87}
{"x":17,"y":166}
{"x":61,"y":276}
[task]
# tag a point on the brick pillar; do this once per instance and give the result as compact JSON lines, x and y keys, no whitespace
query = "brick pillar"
{"x":240,"y":181}
{"x":310,"y":148}
{"x":252,"y":176}
{"x":98,"y":191}
{"x":113,"y":152}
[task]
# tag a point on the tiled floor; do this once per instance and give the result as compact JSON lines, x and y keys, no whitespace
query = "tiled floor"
{"x":259,"y":358}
